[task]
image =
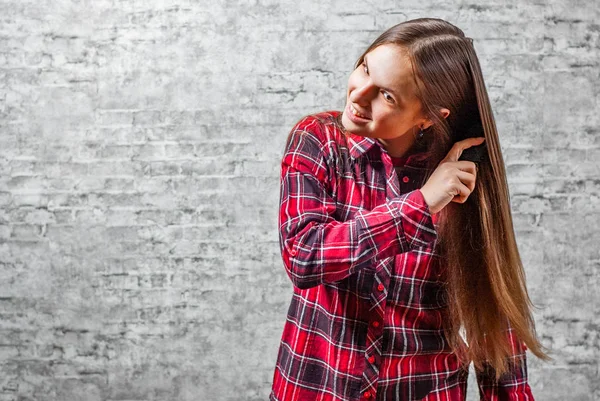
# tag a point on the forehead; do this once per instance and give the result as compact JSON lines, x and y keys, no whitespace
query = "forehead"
{"x":390,"y":67}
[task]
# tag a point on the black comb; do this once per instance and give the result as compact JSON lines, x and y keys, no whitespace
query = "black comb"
{"x":476,"y":153}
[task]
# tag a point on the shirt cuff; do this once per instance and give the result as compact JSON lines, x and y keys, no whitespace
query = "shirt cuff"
{"x":413,"y":213}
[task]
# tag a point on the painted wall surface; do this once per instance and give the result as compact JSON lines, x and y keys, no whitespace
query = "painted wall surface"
{"x":140,"y":144}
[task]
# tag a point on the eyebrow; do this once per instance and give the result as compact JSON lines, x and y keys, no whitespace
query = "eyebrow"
{"x":382,"y":87}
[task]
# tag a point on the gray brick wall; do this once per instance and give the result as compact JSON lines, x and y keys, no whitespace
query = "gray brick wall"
{"x":140,"y":146}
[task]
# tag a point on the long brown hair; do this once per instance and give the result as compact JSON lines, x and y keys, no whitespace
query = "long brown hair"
{"x":486,"y":288}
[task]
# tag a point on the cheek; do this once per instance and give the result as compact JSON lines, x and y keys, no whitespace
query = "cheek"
{"x":384,"y":114}
{"x":390,"y":120}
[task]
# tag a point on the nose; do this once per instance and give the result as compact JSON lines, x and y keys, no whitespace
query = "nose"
{"x":362,"y":94}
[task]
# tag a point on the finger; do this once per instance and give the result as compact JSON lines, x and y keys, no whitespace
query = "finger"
{"x":467,"y":179}
{"x":465,"y":165}
{"x":463,"y":194}
{"x":458,"y":147}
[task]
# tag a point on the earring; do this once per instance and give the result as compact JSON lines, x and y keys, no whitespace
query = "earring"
{"x":421,"y":133}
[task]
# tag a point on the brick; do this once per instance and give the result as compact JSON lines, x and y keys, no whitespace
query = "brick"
{"x":140,"y":147}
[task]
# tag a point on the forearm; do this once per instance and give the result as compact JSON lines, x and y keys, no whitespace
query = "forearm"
{"x":317,"y":249}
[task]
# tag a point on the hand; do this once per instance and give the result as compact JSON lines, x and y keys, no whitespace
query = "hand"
{"x":452,"y":180}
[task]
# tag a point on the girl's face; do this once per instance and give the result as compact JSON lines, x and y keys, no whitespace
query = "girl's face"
{"x":381,"y":101}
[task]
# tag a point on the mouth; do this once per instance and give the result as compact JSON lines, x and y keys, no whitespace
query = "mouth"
{"x":357,"y":114}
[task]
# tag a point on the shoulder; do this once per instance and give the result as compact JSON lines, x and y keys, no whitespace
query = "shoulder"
{"x":313,"y":140}
{"x":319,"y":127}
{"x":318,"y":133}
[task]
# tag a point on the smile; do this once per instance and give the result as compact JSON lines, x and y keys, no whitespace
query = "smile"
{"x":357,"y":113}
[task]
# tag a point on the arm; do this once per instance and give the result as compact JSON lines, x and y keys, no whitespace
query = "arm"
{"x":318,"y":249}
{"x":512,"y":386}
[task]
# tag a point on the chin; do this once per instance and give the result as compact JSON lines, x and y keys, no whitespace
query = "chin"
{"x":351,"y":127}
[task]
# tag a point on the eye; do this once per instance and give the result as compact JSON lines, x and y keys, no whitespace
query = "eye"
{"x":387,"y":97}
{"x":365,"y":68}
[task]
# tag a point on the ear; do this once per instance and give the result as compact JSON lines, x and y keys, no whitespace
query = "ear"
{"x":428,"y":123}
{"x":444,"y":112}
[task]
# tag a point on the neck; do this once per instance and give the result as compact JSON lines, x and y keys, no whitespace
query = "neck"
{"x":398,"y":147}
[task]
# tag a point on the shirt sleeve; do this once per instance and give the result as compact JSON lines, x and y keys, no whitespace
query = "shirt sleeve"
{"x":512,"y":386}
{"x":315,"y":247}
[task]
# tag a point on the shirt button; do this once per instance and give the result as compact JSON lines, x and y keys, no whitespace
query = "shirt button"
{"x":380,"y":287}
{"x":371,"y":359}
{"x":405,"y":179}
{"x":375,"y":323}
{"x":367,"y":394}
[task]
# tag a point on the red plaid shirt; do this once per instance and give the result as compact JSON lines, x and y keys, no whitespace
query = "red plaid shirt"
{"x":365,"y":320}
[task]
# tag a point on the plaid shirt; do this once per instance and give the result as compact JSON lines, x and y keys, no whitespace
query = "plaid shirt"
{"x":365,"y":320}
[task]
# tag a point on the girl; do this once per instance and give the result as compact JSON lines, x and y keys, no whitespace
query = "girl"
{"x":398,"y":247}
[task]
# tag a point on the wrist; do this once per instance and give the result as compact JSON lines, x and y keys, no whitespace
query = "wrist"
{"x":428,"y":202}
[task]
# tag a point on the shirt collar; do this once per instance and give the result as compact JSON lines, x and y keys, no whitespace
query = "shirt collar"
{"x":359,"y":145}
{"x":418,"y":160}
